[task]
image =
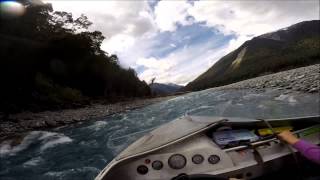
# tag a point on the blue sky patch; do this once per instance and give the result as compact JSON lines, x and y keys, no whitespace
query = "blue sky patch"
{"x":186,"y":36}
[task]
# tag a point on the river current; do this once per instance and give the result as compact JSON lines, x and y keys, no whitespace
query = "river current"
{"x":80,"y":151}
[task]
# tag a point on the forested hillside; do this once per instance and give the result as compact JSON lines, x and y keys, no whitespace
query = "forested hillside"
{"x":50,"y":60}
{"x":295,"y":46}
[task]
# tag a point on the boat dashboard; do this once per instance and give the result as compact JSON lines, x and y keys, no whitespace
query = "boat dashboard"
{"x":225,"y":150}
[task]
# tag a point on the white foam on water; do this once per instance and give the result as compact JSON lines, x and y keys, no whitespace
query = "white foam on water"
{"x":287,"y":98}
{"x":87,"y":169}
{"x":119,"y":132}
{"x":190,"y":111}
{"x":251,"y":96}
{"x":175,"y":99}
{"x":33,"y":162}
{"x":292,"y":100}
{"x":124,"y":117}
{"x":98,"y":125}
{"x":47,"y":140}
{"x":56,"y":140}
{"x":282,"y":97}
{"x":55,"y":173}
{"x":6,"y":147}
{"x":46,"y":135}
{"x":149,"y":121}
{"x":261,"y":106}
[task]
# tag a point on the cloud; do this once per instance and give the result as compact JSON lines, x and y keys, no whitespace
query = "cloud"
{"x":155,"y":64}
{"x":252,"y":18}
{"x":185,"y":63}
{"x":118,"y":43}
{"x":175,"y":41}
{"x":121,"y":22}
{"x":170,"y":13}
{"x":183,"y":70}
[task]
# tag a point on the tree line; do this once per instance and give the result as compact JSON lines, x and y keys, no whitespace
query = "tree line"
{"x":49,"y":59}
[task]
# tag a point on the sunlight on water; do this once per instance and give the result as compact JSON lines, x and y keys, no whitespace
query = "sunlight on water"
{"x":81,"y":151}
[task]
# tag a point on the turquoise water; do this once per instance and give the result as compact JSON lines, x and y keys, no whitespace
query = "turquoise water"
{"x":82,"y":150}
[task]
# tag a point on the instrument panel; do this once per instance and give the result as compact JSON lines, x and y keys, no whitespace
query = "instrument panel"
{"x":176,"y":161}
{"x":200,"y":155}
{"x":189,"y":157}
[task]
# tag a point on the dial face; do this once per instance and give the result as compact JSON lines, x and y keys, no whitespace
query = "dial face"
{"x":177,"y":161}
{"x":142,"y":169}
{"x":197,"y":159}
{"x":157,"y":165}
{"x":214,"y":159}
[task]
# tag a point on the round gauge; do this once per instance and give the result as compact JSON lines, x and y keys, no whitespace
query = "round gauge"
{"x":177,"y":161}
{"x":157,"y":165}
{"x":197,"y":159}
{"x":142,"y":169}
{"x":214,"y":159}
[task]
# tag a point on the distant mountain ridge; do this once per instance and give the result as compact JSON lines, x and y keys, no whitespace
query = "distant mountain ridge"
{"x":294,"y":46}
{"x":164,"y":89}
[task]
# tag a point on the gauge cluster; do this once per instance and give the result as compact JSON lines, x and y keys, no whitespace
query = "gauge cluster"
{"x":189,"y":157}
{"x":176,"y":162}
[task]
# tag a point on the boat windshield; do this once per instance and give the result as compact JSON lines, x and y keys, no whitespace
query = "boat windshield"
{"x":169,"y":132}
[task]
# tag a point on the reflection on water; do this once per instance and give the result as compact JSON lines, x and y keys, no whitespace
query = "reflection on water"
{"x":81,"y":151}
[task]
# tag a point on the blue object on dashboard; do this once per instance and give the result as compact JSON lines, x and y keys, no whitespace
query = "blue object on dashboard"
{"x":225,"y":138}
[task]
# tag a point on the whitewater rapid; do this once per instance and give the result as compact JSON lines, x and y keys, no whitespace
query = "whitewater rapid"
{"x":80,"y":151}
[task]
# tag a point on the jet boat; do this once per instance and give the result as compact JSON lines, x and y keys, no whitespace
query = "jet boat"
{"x":224,"y":147}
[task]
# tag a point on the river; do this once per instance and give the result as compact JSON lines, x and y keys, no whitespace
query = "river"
{"x":80,"y":151}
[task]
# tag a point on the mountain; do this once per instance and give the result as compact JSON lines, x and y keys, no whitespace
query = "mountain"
{"x":164,"y":89}
{"x":291,"y":47}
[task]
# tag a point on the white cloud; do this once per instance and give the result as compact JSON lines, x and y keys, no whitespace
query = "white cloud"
{"x":170,"y":13}
{"x":162,"y":65}
{"x":122,"y":22}
{"x":251,"y":18}
{"x":182,"y":65}
{"x":118,"y":43}
{"x":236,"y":42}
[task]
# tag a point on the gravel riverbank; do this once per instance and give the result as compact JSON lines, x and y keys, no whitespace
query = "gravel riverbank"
{"x":305,"y":79}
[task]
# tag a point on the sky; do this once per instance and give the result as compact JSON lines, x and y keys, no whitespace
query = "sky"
{"x":177,"y":40}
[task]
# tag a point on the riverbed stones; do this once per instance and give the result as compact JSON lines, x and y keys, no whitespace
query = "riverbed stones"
{"x":51,"y":123}
{"x":304,"y":79}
